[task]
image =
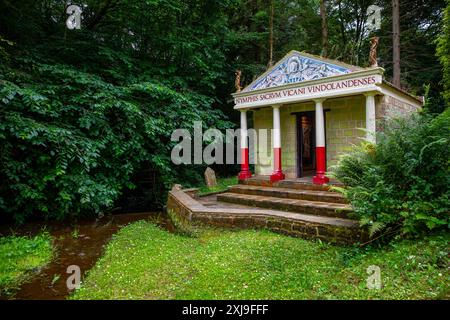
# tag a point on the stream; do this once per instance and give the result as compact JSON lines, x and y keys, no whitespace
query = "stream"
{"x":80,"y":243}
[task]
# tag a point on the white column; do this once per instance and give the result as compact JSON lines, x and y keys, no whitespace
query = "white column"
{"x":320,"y":177}
{"x":277,"y":173}
{"x":276,"y":127}
{"x":244,"y":140}
{"x":320,"y":128}
{"x":245,"y":170}
{"x":370,"y":117}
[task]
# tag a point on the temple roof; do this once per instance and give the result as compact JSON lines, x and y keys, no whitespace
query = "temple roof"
{"x":297,"y":67}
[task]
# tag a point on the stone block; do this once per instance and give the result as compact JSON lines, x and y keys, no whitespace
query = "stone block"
{"x":348,"y":132}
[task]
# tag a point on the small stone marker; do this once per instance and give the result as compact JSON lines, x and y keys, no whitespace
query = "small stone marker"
{"x":176,"y":187}
{"x":210,"y":177}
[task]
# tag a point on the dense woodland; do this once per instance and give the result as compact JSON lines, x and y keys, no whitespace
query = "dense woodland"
{"x":83,"y":111}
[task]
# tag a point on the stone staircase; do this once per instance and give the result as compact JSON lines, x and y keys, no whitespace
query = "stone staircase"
{"x":293,"y":196}
{"x":291,"y":207}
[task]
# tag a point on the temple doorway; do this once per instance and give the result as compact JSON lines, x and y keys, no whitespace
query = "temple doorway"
{"x":306,"y":143}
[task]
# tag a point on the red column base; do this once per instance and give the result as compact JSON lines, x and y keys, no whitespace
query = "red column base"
{"x":277,"y":176}
{"x":320,"y":179}
{"x":243,"y":175}
{"x":245,"y":171}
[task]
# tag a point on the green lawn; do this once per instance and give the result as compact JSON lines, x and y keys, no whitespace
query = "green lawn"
{"x":21,"y":255}
{"x":222,"y":185}
{"x":145,"y":262}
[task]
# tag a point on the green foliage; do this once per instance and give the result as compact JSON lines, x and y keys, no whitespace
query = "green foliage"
{"x":145,"y":262}
{"x":402,"y":183}
{"x":82,"y":110}
{"x":20,"y":255}
{"x":434,"y":104}
{"x":72,"y":148}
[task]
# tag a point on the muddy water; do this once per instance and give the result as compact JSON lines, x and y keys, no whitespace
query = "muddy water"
{"x":80,"y":244}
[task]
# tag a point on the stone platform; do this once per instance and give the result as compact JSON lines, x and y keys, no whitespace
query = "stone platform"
{"x":294,"y":208}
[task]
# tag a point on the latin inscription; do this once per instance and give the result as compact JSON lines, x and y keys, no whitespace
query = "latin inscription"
{"x":324,"y":87}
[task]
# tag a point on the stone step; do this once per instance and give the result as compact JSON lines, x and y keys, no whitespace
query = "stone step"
{"x":300,"y":185}
{"x":263,"y":181}
{"x":299,"y":194}
{"x":317,"y":208}
{"x":330,"y":229}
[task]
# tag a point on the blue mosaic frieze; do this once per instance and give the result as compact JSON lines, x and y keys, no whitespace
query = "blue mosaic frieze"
{"x":297,"y":68}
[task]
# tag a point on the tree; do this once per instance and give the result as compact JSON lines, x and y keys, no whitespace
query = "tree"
{"x":396,"y":42}
{"x":271,"y":14}
{"x":323,"y":15}
{"x":82,"y":110}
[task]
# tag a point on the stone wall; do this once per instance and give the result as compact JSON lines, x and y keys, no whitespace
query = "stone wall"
{"x":262,"y":119}
{"x":190,"y":212}
{"x":344,"y":121}
{"x":388,"y":107}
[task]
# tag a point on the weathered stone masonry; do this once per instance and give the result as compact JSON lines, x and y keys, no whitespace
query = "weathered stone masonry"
{"x":190,"y":211}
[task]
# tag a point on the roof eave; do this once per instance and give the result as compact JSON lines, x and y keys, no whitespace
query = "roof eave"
{"x":386,"y":83}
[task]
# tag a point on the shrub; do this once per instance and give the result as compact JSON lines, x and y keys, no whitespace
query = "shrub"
{"x":70,"y":140}
{"x":401,"y":184}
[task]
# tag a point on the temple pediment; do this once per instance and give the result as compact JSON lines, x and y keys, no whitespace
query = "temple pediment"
{"x":297,"y":67}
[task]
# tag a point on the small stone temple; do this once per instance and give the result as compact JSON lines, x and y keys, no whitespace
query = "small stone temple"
{"x":316,"y":109}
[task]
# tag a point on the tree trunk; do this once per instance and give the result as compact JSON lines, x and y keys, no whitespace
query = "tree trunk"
{"x":271,"y":33}
{"x":323,"y":15}
{"x":396,"y":42}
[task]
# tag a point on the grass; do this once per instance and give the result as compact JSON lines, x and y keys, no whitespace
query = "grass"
{"x":222,"y":185}
{"x":145,"y":262}
{"x":20,"y":256}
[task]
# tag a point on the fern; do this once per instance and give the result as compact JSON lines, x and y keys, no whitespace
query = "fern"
{"x":376,"y":227}
{"x":403,"y":180}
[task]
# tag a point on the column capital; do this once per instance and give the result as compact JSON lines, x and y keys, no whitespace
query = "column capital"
{"x":371,"y":93}
{"x":319,"y":100}
{"x":276,"y":106}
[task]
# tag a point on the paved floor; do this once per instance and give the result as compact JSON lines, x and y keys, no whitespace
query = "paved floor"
{"x":307,"y":179}
{"x":211,"y":202}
